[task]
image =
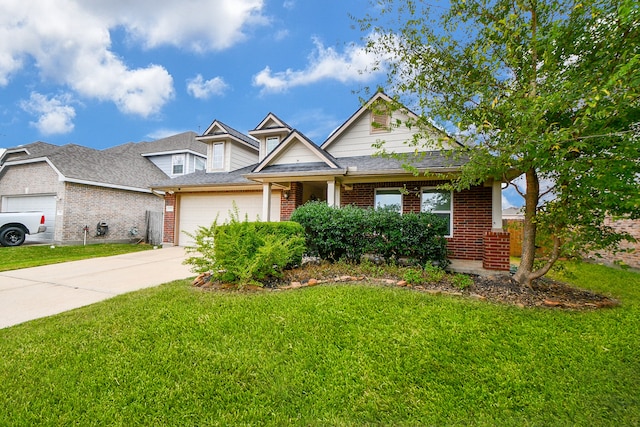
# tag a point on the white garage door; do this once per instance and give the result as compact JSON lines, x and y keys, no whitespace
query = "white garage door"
{"x":45,"y":203}
{"x":201,"y":210}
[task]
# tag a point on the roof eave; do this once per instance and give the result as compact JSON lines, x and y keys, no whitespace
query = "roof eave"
{"x":293,"y":176}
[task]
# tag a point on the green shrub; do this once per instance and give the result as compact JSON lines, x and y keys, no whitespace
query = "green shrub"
{"x":433,"y":274}
{"x":384,"y":233}
{"x":202,"y":256}
{"x":461,"y":281}
{"x":423,"y":238}
{"x":244,"y":252}
{"x":332,"y":233}
{"x":349,"y":232}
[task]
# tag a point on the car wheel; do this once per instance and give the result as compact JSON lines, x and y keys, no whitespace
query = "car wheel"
{"x":12,"y":236}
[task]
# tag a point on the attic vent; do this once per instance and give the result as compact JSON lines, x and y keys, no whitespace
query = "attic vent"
{"x":380,"y":121}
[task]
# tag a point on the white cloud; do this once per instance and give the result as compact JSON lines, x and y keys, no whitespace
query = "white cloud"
{"x":199,"y":25}
{"x":55,"y":115}
{"x":69,"y":42}
{"x":506,"y":203}
{"x":281,"y":34}
{"x":205,"y":89}
{"x":289,"y":4}
{"x":324,"y":64}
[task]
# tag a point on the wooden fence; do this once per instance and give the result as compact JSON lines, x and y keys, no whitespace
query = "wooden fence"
{"x":514,"y":227}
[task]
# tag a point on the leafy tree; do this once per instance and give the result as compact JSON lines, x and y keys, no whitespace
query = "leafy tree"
{"x":549,"y":89}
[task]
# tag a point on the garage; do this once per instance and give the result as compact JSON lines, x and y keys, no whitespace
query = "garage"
{"x":41,"y":202}
{"x":201,"y":210}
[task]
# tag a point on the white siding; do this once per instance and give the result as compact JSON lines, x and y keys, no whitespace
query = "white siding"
{"x":358,"y":139}
{"x":164,"y":163}
{"x":201,"y":210}
{"x":296,"y":153}
{"x":242,"y":156}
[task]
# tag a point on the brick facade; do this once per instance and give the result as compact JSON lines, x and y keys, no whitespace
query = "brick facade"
{"x":473,"y":238}
{"x":631,"y":254}
{"x":290,"y":200}
{"x":496,"y":251}
{"x":120,"y":209}
{"x":170,"y":206}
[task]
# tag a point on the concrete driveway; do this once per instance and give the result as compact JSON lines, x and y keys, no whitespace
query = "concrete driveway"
{"x":31,"y":293}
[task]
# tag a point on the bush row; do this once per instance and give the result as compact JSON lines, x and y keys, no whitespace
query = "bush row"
{"x":350,"y":232}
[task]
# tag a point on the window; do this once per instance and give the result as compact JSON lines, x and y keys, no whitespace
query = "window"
{"x":217,"y":162}
{"x":177,"y":164}
{"x":272,"y":142}
{"x":380,"y":122}
{"x":386,"y":197}
{"x":199,"y":164}
{"x":438,"y":202}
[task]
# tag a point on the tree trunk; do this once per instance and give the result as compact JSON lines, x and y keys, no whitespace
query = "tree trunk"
{"x":524,"y":273}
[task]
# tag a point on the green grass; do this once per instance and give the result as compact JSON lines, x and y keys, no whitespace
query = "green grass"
{"x":345,"y":355}
{"x":12,"y":258}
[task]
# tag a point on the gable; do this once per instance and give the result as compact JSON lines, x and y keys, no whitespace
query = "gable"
{"x":371,"y":126}
{"x":296,"y":150}
{"x":28,"y":178}
{"x":271,"y":121}
{"x":361,"y":136}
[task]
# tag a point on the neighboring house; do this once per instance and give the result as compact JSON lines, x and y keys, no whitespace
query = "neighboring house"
{"x":628,"y":254}
{"x":513,"y":213}
{"x":274,"y":169}
{"x":105,"y":190}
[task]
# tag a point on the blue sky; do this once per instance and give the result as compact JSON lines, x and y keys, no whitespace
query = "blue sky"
{"x":102,"y":73}
{"x":105,"y":72}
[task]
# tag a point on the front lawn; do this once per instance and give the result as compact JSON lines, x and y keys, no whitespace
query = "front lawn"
{"x":347,"y":354}
{"x":12,"y":258}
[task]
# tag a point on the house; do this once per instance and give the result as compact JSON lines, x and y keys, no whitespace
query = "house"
{"x":275,"y":168}
{"x":106,"y":191}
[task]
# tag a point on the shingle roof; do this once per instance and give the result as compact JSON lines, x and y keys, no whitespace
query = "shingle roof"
{"x":231,"y":131}
{"x":181,"y":141}
{"x":427,"y":160}
{"x":128,"y":168}
{"x":297,"y":167}
{"x":122,"y":165}
{"x":204,"y":178}
{"x":431,"y":160}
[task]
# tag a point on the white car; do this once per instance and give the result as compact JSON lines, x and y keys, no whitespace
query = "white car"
{"x":14,"y":226}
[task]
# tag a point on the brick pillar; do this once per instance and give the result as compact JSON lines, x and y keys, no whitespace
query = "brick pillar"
{"x":495,"y":254}
{"x":288,"y":205}
{"x":169,"y":219}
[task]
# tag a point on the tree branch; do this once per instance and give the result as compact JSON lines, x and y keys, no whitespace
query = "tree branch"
{"x":555,"y":254}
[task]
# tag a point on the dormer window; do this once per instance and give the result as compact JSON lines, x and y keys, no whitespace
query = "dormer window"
{"x":217,"y":160}
{"x":199,"y":164}
{"x":380,"y":121}
{"x":272,"y":142}
{"x":177,"y":164}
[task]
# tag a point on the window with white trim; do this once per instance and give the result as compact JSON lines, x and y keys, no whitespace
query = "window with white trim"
{"x":217,"y":160}
{"x":272,"y":142}
{"x":387,"y":197}
{"x":177,"y":164}
{"x":440,"y":203}
{"x":199,"y":164}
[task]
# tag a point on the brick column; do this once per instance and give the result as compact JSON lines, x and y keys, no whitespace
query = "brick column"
{"x":290,"y":203}
{"x":495,"y":254}
{"x":168,"y":234}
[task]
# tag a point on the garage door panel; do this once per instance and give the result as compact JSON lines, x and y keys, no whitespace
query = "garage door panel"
{"x":45,"y":203}
{"x":201,"y":210}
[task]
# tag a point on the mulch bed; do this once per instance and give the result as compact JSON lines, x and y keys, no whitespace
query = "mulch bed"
{"x":544,"y":293}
